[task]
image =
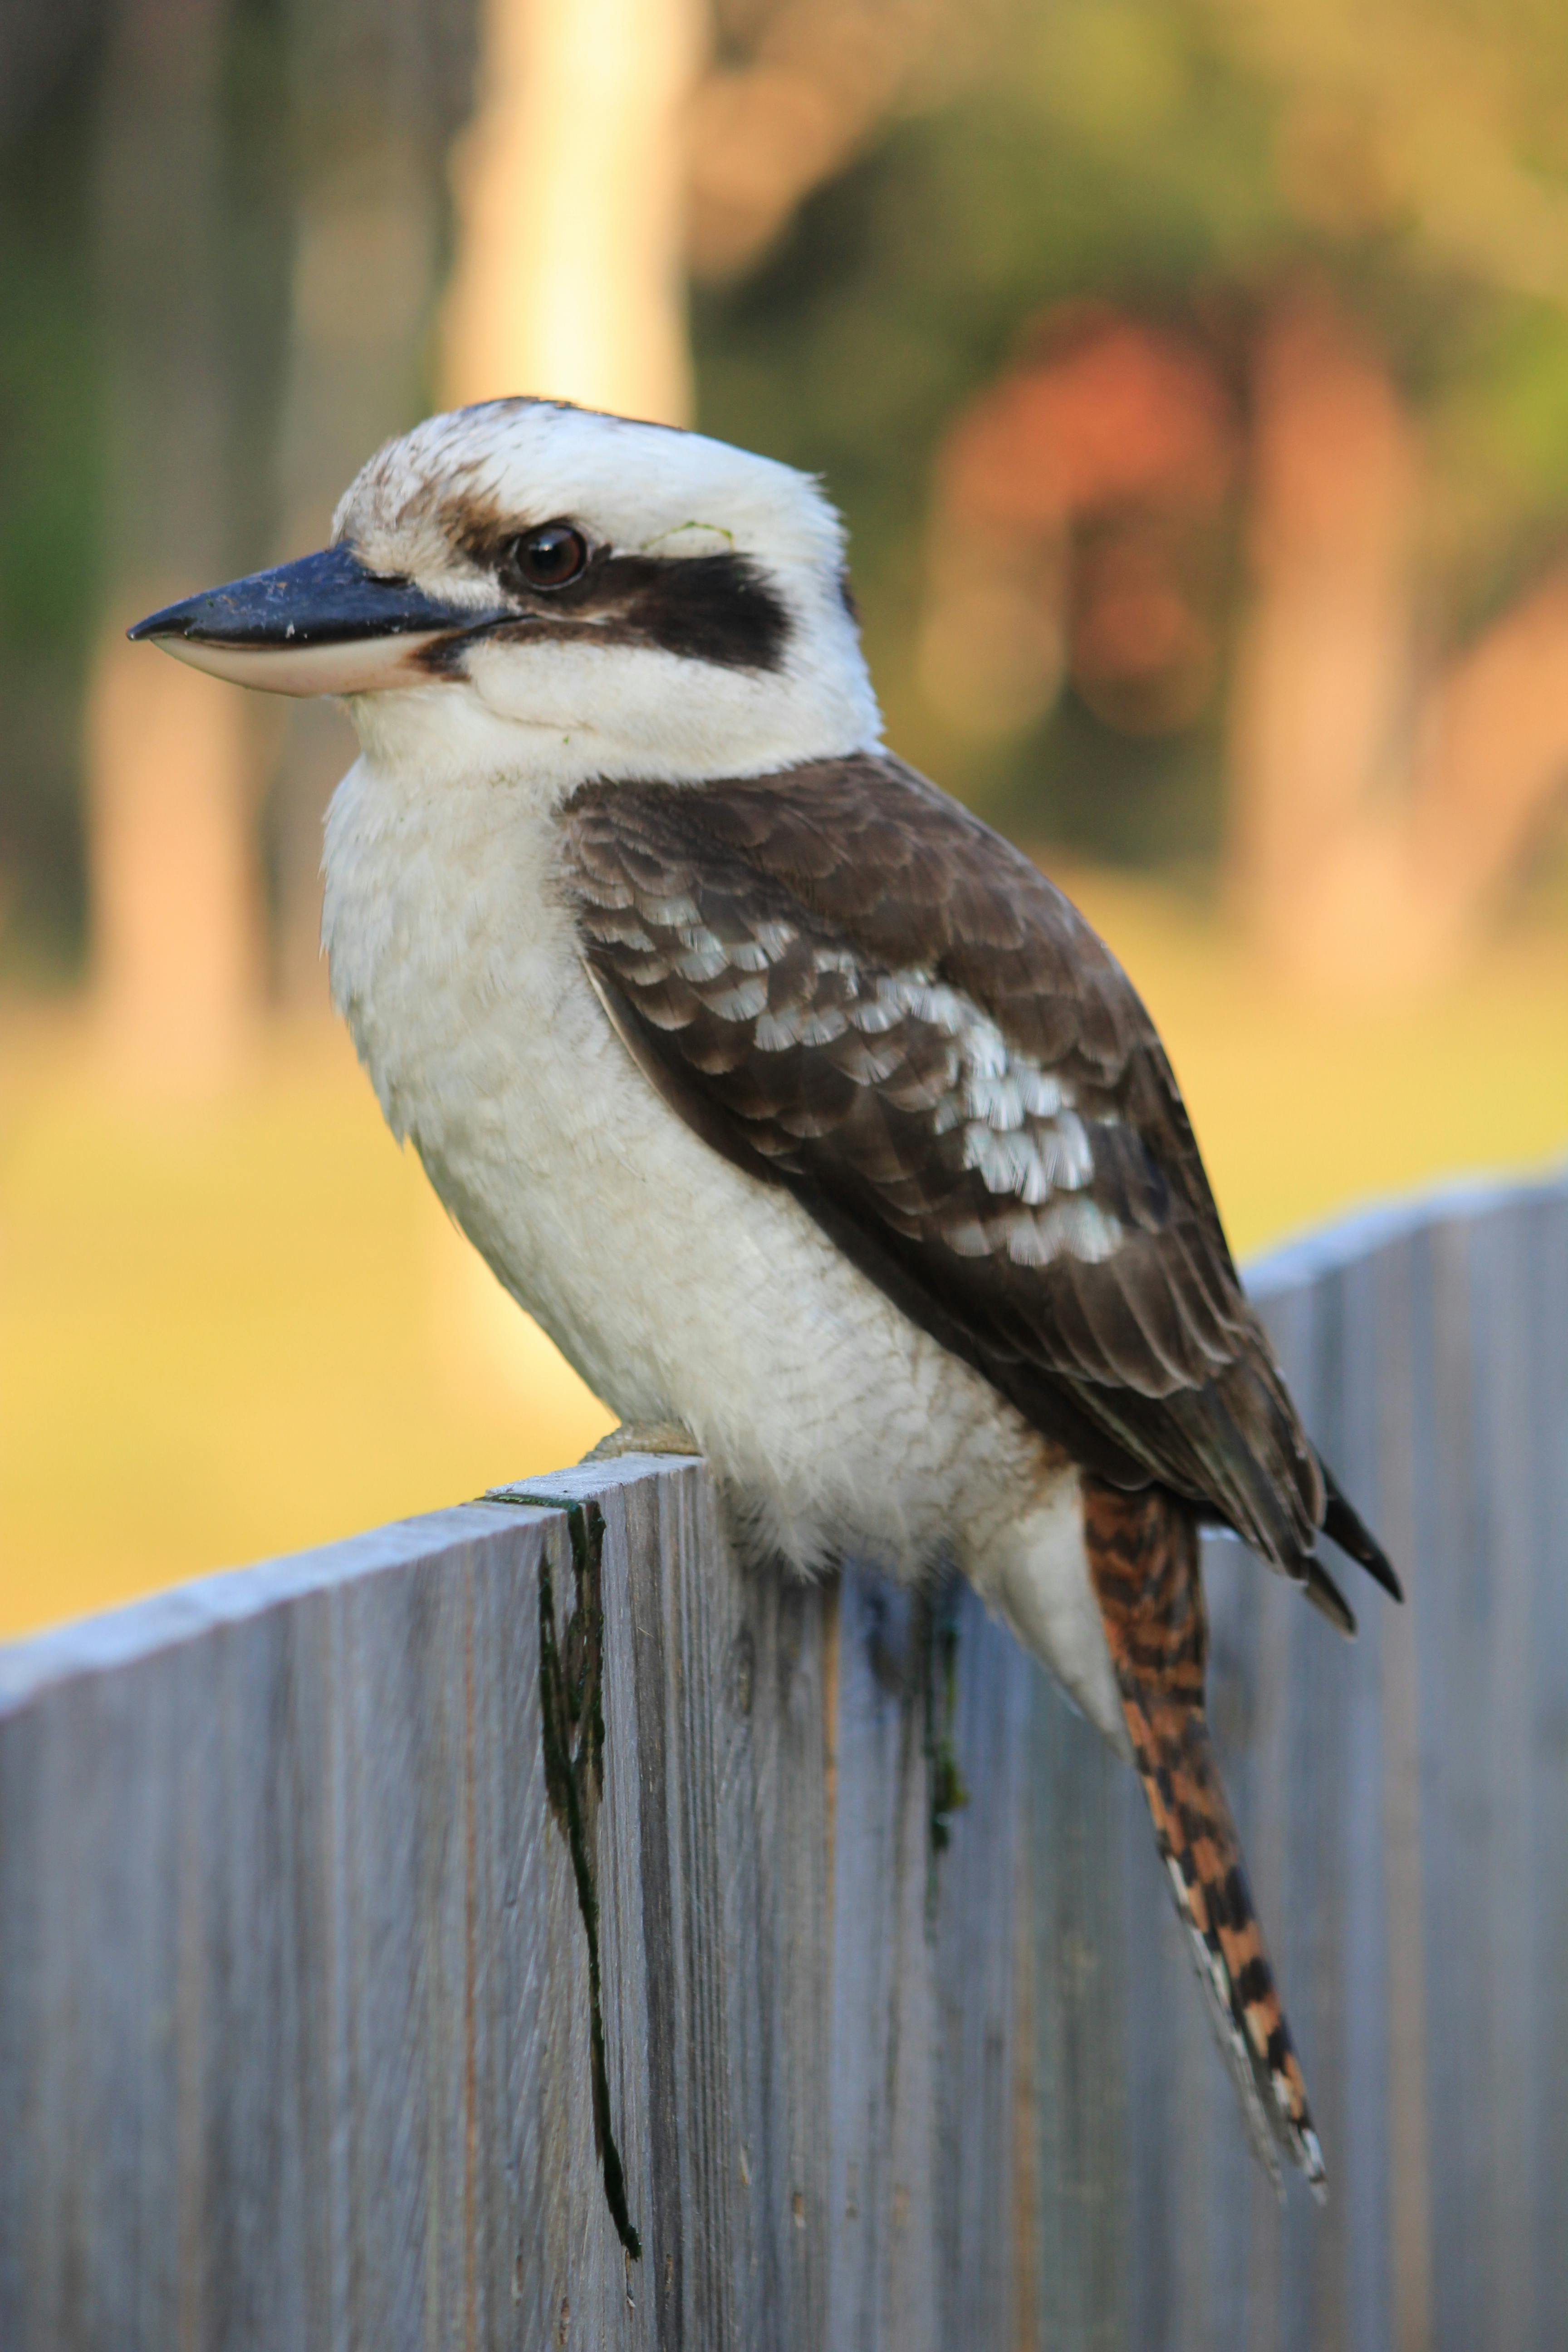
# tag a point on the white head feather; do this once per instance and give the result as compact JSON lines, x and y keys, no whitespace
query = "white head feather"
{"x":568,"y":710}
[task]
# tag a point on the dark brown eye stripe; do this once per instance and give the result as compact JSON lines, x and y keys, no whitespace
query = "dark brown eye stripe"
{"x":716,"y":609}
{"x":711,"y":608}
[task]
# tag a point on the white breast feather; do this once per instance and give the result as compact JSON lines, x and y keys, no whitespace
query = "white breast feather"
{"x":679,"y":1286}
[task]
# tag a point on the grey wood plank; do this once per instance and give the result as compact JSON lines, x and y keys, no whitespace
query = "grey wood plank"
{"x":882,"y":2282}
{"x":146,"y":1629}
{"x":1165,"y":2074}
{"x":1333,"y":1786}
{"x":1398,"y":1274}
{"x":932,"y":1709}
{"x":1074,"y":1952}
{"x":1348,"y":1424}
{"x":262,"y":2123}
{"x":253,"y":2036}
{"x":1454,"y":1642}
{"x":1232,"y":2220}
{"x":1545,"y":1258}
{"x":774,"y":1903}
{"x":977,"y":1703}
{"x":591,"y":2289}
{"x":695,"y":2153}
{"x":716,"y":1976}
{"x":97,"y":2263}
{"x":22,"y":2048}
{"x":508,"y":1900}
{"x":1500,"y":1280}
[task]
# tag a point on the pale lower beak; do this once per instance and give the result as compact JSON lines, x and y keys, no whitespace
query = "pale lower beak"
{"x":323,"y":625}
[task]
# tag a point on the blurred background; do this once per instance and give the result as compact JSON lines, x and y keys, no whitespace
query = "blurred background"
{"x":1194,"y":375}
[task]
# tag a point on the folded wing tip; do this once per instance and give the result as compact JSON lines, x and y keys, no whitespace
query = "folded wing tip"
{"x":1343,"y":1525}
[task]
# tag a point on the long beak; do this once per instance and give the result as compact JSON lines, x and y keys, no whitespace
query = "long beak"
{"x":323,"y":625}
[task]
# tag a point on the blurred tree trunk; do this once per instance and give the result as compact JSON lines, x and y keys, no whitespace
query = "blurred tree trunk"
{"x":171,"y":757}
{"x":569,"y":280}
{"x":367,"y":130}
{"x":1492,"y":754}
{"x":1376,"y":814}
{"x":1325,"y":674}
{"x":570,"y":277}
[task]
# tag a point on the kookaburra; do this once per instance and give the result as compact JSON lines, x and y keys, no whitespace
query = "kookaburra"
{"x":799,"y":1108}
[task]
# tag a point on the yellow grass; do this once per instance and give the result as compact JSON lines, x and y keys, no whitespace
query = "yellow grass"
{"x":239,"y":1326}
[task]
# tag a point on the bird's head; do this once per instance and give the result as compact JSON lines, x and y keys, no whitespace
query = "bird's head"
{"x":525,"y":584}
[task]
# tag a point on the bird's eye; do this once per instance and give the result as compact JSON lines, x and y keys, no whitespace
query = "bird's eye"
{"x":549,"y":557}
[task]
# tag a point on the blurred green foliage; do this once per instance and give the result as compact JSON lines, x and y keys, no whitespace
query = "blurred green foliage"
{"x":50,"y":500}
{"x":1174,"y":156}
{"x":1139,"y":151}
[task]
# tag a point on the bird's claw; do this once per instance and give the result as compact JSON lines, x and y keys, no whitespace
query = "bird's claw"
{"x":644,"y":1437}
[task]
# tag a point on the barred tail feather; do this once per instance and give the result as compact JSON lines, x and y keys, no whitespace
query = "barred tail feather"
{"x":1143,"y":1556}
{"x":1202,"y":1854}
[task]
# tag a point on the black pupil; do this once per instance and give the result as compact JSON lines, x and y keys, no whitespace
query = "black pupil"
{"x":549,"y":557}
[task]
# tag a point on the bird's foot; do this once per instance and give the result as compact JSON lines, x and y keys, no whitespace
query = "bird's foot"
{"x":645,"y":1437}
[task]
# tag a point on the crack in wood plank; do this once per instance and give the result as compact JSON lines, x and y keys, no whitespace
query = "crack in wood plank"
{"x":572,"y":1718}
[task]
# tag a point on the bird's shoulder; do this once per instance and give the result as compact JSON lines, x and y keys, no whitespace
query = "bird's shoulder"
{"x":868,"y":847}
{"x":857,"y":897}
{"x":851,"y":986}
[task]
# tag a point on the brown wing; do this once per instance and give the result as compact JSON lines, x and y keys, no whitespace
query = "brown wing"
{"x":851,"y":987}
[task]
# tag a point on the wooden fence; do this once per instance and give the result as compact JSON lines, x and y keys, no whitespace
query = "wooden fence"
{"x":518,"y":1927}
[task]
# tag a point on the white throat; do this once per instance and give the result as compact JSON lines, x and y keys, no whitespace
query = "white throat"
{"x":547,"y":718}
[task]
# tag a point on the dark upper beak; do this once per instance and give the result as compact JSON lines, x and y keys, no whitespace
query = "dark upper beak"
{"x":323,"y":625}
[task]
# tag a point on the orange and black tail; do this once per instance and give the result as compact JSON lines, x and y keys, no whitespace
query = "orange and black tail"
{"x":1143,"y":1558}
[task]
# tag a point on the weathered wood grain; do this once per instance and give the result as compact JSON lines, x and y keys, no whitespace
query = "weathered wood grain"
{"x":897,"y":2042}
